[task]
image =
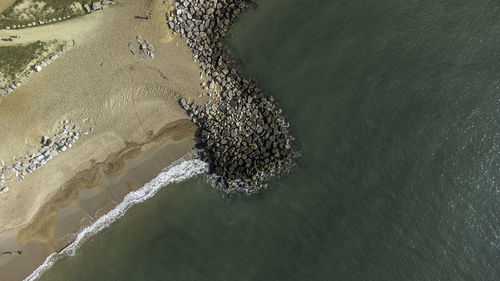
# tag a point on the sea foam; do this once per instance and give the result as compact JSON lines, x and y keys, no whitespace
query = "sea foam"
{"x":173,"y":174}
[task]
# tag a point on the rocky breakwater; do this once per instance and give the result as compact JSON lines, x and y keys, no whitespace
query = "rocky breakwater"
{"x":243,"y":133}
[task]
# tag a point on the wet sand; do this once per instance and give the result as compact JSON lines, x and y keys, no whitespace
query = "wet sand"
{"x":90,"y":194}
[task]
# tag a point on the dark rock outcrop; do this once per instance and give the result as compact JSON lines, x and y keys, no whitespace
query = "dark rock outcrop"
{"x":243,"y":134}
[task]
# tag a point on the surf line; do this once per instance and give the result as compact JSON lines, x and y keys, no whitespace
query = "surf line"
{"x":173,"y":174}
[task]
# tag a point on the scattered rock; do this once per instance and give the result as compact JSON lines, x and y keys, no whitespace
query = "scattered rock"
{"x":50,"y":147}
{"x":145,"y":48}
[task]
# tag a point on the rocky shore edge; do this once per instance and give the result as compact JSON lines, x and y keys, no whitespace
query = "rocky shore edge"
{"x":243,"y":134}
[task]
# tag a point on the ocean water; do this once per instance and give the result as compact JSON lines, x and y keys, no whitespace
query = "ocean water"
{"x":396,"y":109}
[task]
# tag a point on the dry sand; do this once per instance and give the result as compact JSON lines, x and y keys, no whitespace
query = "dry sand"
{"x":4,"y":4}
{"x":124,"y":96}
{"x":130,"y":101}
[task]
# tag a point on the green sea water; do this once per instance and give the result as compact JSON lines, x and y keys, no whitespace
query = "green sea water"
{"x":395,"y":106}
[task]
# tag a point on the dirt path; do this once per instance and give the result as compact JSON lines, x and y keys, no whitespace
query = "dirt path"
{"x":99,"y":79}
{"x":73,"y":29}
{"x":4,"y":4}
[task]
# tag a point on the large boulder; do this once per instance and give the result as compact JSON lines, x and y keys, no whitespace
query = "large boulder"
{"x":96,"y":6}
{"x":87,"y":8}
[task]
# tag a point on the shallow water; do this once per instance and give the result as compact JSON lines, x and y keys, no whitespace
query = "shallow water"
{"x":396,"y":109}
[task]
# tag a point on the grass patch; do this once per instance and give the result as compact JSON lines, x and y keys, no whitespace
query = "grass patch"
{"x":23,"y":12}
{"x":15,"y":59}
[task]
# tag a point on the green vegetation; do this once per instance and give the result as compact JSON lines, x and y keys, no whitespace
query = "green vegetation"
{"x":28,"y":11}
{"x":15,"y":59}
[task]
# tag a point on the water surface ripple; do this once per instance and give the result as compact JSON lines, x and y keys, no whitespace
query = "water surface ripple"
{"x":396,"y":108}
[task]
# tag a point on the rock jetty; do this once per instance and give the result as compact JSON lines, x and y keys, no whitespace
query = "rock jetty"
{"x":243,"y":133}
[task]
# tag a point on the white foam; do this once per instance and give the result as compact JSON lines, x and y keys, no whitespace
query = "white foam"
{"x":173,"y":174}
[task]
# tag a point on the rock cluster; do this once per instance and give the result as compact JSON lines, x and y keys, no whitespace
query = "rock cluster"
{"x":47,"y":149}
{"x":95,"y":6}
{"x":36,"y":22}
{"x":145,"y":48}
{"x":243,"y":134}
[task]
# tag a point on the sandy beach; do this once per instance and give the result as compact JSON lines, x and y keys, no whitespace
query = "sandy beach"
{"x":90,"y":194}
{"x":129,"y":101}
{"x":4,"y":4}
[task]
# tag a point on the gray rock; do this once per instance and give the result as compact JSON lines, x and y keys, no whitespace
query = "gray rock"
{"x":234,"y":132}
{"x":96,"y":6}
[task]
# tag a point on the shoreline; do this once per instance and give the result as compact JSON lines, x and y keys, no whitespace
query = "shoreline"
{"x":179,"y":171}
{"x":244,"y":135}
{"x":130,"y":101}
{"x":126,"y":99}
{"x":56,"y":227}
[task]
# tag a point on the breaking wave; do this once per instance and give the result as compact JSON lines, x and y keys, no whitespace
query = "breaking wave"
{"x":175,"y":173}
